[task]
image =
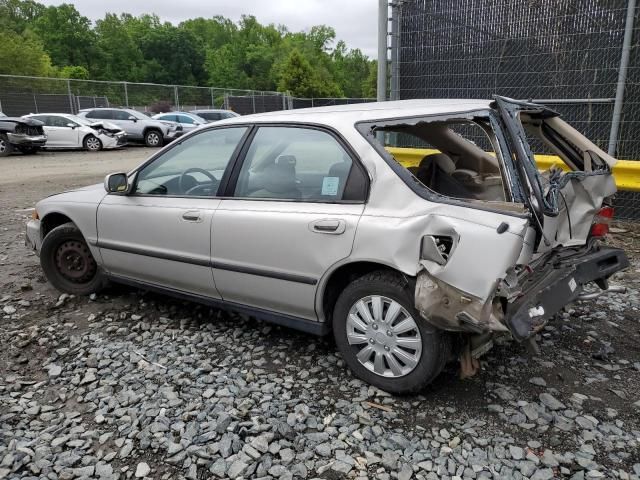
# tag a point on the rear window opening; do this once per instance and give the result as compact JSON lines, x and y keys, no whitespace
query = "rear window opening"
{"x":452,"y":157}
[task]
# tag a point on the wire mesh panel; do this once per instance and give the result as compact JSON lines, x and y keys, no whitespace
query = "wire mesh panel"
{"x":546,"y":50}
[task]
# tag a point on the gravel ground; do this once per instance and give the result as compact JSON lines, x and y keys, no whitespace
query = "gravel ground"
{"x":130,"y":384}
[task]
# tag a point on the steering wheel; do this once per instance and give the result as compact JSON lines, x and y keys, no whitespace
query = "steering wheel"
{"x":183,"y":175}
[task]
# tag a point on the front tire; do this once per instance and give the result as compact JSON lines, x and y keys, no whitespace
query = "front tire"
{"x":92,"y":143}
{"x":5,"y":147}
{"x":382,"y":337}
{"x":67,"y":262}
{"x":153,"y":138}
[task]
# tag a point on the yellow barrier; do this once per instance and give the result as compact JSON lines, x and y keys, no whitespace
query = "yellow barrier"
{"x":626,"y":172}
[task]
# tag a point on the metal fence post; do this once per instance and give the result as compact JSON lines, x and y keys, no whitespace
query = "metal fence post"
{"x":213,"y":103}
{"x":395,"y":49}
{"x":253,"y":100}
{"x":70,"y":96}
{"x":383,"y":21}
{"x":176,"y":100}
{"x":622,"y":77}
{"x":35,"y":103}
{"x":126,"y":95}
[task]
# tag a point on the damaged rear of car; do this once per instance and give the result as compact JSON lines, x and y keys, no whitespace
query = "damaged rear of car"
{"x":24,"y":135}
{"x":512,"y":271}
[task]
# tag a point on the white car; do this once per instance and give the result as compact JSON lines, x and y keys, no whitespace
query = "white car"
{"x":188,"y":121}
{"x":70,"y":131}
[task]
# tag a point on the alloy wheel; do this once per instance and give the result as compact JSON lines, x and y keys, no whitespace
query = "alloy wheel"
{"x":153,"y":139}
{"x":3,"y":145}
{"x":385,"y":335}
{"x":93,"y":143}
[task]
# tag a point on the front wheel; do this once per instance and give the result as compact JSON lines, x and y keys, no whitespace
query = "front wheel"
{"x":382,"y":337}
{"x":91,"y":143}
{"x":153,"y":138}
{"x":5,"y":147}
{"x":68,"y":263}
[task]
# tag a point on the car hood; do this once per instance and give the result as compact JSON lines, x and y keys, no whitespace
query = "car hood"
{"x":89,"y":190}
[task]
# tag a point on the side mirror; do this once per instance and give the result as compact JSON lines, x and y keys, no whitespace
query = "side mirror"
{"x":117,"y":183}
{"x":132,"y":118}
{"x":71,"y":125}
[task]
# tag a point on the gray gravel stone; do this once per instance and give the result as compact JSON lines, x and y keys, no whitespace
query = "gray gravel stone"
{"x":142,"y":470}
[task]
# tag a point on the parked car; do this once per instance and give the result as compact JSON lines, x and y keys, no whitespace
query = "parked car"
{"x":70,"y":131}
{"x":188,"y":121}
{"x":24,"y":135}
{"x":214,"y":115}
{"x":304,"y":219}
{"x":137,"y":126}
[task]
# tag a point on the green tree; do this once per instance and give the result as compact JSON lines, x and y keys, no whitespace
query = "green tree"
{"x":300,"y":79}
{"x":17,"y":15}
{"x":74,"y":71}
{"x":120,"y":54}
{"x":66,"y":35}
{"x":23,"y":55}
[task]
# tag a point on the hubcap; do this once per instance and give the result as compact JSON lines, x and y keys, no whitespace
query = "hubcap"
{"x":3,"y":145}
{"x":385,"y":336}
{"x":93,"y":143}
{"x":74,"y":261}
{"x":153,"y":138}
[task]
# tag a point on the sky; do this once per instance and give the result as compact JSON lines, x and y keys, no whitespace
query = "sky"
{"x":355,"y":21}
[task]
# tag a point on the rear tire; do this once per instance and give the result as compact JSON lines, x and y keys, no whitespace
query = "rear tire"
{"x":92,"y":143}
{"x":5,"y":147}
{"x":396,"y":350}
{"x":153,"y":138}
{"x":67,"y":262}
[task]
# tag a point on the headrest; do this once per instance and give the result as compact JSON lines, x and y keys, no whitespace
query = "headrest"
{"x":340,"y":169}
{"x":440,"y":159}
{"x":279,"y":177}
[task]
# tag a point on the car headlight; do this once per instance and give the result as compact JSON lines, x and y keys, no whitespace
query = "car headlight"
{"x":106,"y":132}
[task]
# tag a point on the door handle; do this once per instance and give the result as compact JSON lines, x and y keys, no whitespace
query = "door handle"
{"x":192,"y":216}
{"x":328,"y":225}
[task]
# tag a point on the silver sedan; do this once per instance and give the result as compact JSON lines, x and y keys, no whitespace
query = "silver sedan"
{"x":308,"y":219}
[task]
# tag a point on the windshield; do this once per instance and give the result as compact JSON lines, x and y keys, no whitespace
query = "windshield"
{"x":79,"y":120}
{"x":138,"y":115}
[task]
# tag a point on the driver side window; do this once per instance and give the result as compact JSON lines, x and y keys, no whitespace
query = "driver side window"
{"x":192,"y":168}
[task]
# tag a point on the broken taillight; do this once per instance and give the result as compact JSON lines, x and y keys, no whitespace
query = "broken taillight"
{"x":601,"y":222}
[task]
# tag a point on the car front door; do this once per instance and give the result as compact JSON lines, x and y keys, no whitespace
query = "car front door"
{"x":134,"y":127}
{"x":160,"y":233}
{"x":187,"y":122}
{"x":297,"y":198}
{"x":59,"y":133}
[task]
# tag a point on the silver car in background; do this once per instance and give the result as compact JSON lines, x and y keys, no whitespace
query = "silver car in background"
{"x":214,"y":115}
{"x":64,"y":130}
{"x":188,"y":121}
{"x":304,"y":218}
{"x":138,"y":126}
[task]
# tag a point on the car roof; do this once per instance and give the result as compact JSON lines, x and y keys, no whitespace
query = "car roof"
{"x":212,"y":110}
{"x":356,"y":112}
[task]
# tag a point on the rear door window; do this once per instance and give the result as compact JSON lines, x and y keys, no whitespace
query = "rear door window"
{"x":295,"y":163}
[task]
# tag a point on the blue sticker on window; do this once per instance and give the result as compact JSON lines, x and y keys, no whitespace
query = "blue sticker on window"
{"x":330,"y":186}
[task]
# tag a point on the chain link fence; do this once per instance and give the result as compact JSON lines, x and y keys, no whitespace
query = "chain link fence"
{"x":563,"y":54}
{"x":23,"y":95}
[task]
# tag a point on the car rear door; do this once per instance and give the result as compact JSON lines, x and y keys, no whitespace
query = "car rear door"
{"x":160,"y":234}
{"x":291,"y":212}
